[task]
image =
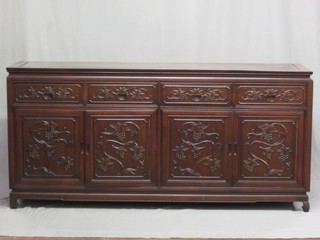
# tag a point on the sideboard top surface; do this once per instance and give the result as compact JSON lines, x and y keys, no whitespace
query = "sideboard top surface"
{"x":160,"y":68}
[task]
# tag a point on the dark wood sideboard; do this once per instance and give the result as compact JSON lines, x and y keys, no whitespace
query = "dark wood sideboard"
{"x":159,"y":132}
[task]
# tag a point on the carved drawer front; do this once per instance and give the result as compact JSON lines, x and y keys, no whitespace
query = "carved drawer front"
{"x":117,"y":93}
{"x":48,"y":93}
{"x":257,"y":94}
{"x":196,"y":94}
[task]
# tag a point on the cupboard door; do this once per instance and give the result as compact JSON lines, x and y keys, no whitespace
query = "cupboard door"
{"x":48,"y":148}
{"x":122,"y":148}
{"x":195,"y":148}
{"x":270,"y":151}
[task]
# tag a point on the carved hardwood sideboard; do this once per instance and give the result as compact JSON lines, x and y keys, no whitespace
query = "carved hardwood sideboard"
{"x":159,"y":132}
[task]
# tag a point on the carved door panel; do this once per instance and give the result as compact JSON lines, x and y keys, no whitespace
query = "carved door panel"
{"x":48,"y":147}
{"x":122,"y":151}
{"x":195,"y":148}
{"x":270,"y":151}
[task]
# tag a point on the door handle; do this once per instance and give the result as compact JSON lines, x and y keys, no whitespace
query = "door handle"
{"x":235,"y":148}
{"x":230,"y":148}
{"x":85,"y":148}
{"x":82,"y":147}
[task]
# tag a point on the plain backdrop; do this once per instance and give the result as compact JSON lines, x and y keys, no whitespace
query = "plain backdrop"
{"x":220,"y":31}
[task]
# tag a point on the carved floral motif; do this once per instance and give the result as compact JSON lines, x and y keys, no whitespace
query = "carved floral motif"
{"x":122,"y":93}
{"x":123,"y":139}
{"x":267,"y":144}
{"x":194,"y":139}
{"x":197,"y":94}
{"x":271,"y":95}
{"x":46,"y":150}
{"x":47,"y":93}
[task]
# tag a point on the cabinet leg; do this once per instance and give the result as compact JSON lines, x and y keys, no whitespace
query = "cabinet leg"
{"x":306,"y":206}
{"x":13,"y":201}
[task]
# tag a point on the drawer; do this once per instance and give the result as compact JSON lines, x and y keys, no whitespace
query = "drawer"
{"x":196,"y":94}
{"x":257,"y":94}
{"x":123,"y":93}
{"x":47,"y":93}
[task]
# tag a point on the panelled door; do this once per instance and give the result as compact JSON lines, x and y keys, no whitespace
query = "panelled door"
{"x":121,"y":148}
{"x":195,"y":148}
{"x":48,"y":148}
{"x":270,"y":148}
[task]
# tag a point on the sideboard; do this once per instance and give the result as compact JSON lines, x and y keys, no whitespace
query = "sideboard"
{"x":159,"y":132}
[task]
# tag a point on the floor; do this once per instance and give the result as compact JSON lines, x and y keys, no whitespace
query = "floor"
{"x":81,"y":238}
{"x":102,"y":238}
{"x":54,"y":238}
{"x":129,"y":220}
{"x":72,"y":238}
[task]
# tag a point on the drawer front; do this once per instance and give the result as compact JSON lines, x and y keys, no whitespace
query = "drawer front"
{"x":47,"y":93}
{"x":196,"y":94}
{"x":118,"y":93}
{"x":256,"y":94}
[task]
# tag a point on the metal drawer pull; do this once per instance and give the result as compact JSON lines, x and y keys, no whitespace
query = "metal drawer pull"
{"x":196,"y":97}
{"x":271,"y":97}
{"x":122,"y":96}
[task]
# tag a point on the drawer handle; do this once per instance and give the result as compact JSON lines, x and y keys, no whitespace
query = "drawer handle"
{"x":271,"y":97}
{"x":196,"y":97}
{"x":122,"y":96}
{"x":48,"y":95}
